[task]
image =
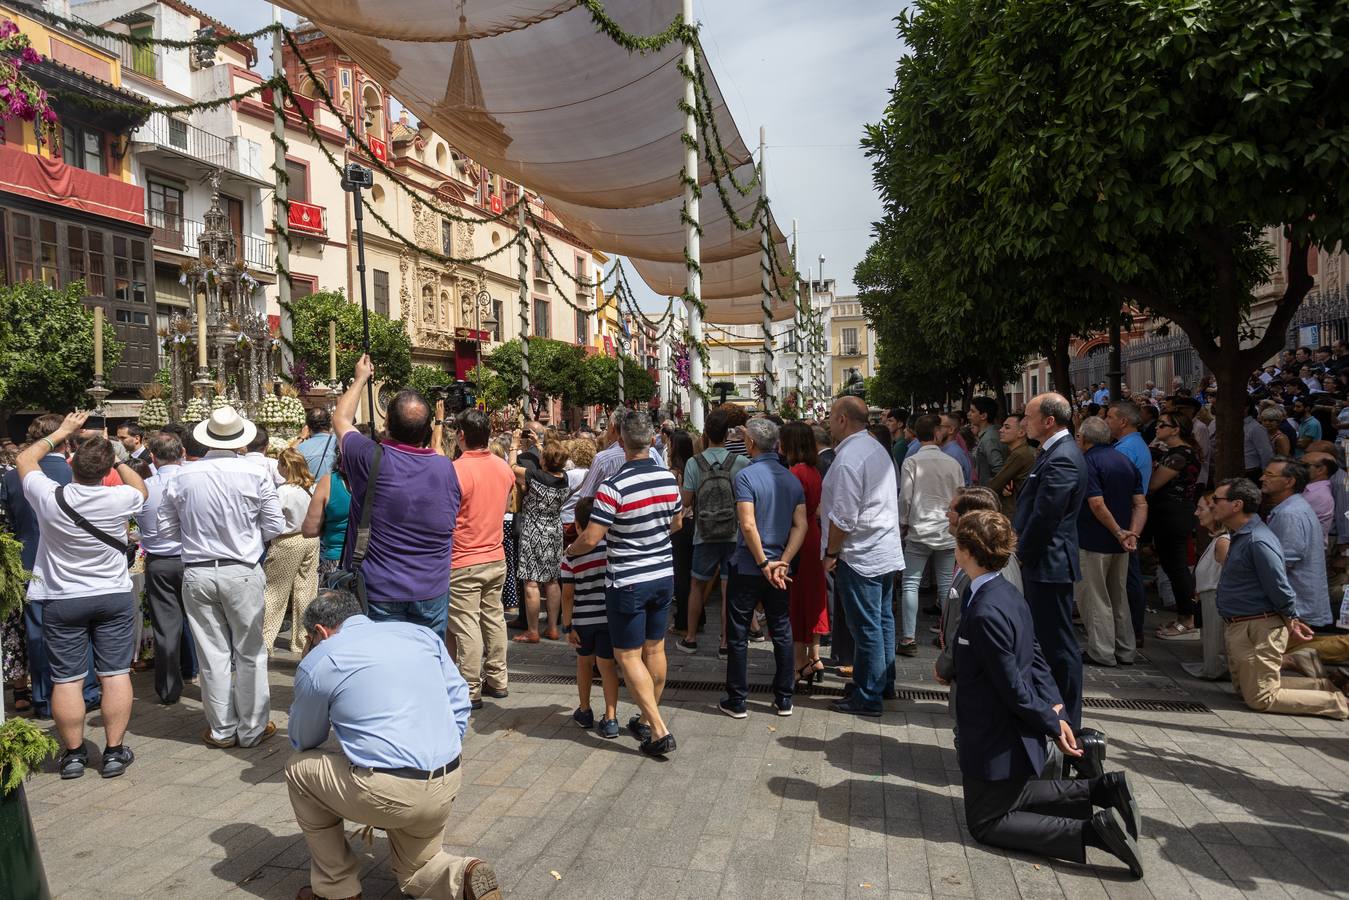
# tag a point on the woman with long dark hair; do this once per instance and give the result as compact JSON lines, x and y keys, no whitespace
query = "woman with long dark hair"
{"x":1172,"y":495}
{"x":809,"y":602}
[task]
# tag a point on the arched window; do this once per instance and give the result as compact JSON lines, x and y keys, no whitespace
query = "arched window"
{"x":442,"y":156}
{"x":372,"y":112}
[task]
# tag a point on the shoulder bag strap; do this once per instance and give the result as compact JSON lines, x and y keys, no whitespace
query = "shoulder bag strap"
{"x":367,"y":506}
{"x":85,"y":525}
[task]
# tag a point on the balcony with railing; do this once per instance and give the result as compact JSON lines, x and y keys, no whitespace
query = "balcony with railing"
{"x":142,"y":60}
{"x":181,"y":138}
{"x":181,"y":235}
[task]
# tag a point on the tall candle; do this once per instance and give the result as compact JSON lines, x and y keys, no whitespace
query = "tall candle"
{"x":98,"y":341}
{"x":332,"y":350}
{"x":201,"y":332}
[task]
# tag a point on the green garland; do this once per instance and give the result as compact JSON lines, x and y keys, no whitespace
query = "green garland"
{"x":505,"y":215}
{"x":675,"y":31}
{"x":136,"y":109}
{"x":90,"y":28}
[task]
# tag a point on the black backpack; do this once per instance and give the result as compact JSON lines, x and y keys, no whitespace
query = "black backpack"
{"x":715,"y":499}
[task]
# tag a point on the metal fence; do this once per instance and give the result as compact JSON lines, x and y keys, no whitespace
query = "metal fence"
{"x":177,"y":233}
{"x":1321,"y":320}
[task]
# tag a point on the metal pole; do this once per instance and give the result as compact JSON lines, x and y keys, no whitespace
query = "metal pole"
{"x":281,"y":213}
{"x":692,"y":243}
{"x":622,"y":384}
{"x":810,"y":305}
{"x":524,"y":312}
{"x":798,"y":324}
{"x":770,"y":381}
{"x":365,"y":306}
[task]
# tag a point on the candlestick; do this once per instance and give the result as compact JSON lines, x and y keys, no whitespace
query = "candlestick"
{"x":98,"y":342}
{"x":201,"y":332}
{"x":332,"y":350}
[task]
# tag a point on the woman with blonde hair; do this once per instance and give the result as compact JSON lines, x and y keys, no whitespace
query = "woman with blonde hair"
{"x":292,"y":562}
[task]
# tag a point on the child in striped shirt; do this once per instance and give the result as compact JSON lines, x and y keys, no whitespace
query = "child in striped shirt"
{"x":587,"y":627}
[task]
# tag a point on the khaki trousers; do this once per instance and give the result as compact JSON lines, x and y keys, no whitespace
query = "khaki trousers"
{"x":326,"y":789}
{"x":478,"y":625}
{"x":1104,"y":604}
{"x":292,"y":569}
{"x":1255,"y":651}
{"x":1332,"y":648}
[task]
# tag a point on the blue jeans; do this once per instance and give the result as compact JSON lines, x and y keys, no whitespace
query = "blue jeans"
{"x":916,"y":556}
{"x":869,"y":606}
{"x":433,"y":614}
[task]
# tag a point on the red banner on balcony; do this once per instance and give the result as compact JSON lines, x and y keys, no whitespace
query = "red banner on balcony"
{"x":306,"y":217}
{"x":41,"y":178}
{"x":379,"y":149}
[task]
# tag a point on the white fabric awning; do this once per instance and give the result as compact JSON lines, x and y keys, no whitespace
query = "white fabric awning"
{"x":532,"y":90}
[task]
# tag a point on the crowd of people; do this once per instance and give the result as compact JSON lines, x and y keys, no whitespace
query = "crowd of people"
{"x":1030,"y":526}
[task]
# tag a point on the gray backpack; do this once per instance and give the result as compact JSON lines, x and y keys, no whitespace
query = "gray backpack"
{"x":715,"y":499}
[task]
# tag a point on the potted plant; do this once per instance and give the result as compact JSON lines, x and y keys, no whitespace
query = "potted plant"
{"x":23,"y":747}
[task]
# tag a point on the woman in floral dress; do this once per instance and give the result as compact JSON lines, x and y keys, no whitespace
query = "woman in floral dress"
{"x":545,"y":490}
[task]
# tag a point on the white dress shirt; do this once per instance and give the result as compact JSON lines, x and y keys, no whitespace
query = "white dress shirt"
{"x":147,"y":520}
{"x":860,"y":497}
{"x":606,"y":464}
{"x":221,"y":507}
{"x":262,"y":459}
{"x":930,"y":479}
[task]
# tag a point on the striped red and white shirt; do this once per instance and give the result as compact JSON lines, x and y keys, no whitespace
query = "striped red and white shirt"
{"x":585,"y":573}
{"x":637,"y":505}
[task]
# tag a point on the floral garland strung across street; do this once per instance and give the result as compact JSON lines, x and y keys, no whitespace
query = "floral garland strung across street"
{"x":20,"y":96}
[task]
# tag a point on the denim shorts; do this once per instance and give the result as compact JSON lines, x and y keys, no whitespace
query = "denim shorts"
{"x":638,"y":613}
{"x":595,"y":641}
{"x":710,"y":558}
{"x":70,"y":624}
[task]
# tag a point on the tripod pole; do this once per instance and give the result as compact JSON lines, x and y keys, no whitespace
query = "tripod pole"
{"x":365,"y":306}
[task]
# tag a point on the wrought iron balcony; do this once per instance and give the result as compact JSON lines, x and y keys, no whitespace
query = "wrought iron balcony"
{"x":176,"y":135}
{"x":181,"y":235}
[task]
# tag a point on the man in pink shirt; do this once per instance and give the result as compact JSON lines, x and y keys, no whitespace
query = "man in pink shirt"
{"x":1318,"y":491}
{"x":477,"y":623}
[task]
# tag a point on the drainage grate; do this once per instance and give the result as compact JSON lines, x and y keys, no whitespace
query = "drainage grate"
{"x":913,"y":696}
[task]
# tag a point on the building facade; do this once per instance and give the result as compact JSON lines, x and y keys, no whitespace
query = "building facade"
{"x":69,"y":208}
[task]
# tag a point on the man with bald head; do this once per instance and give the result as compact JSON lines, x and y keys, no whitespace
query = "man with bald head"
{"x":1046,"y":524}
{"x":859,"y":521}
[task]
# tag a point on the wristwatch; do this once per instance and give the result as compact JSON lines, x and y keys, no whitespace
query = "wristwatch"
{"x":765,"y":563}
{"x":831,"y":556}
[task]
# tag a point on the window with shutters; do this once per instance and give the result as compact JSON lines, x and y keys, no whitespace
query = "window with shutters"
{"x":381,"y":284}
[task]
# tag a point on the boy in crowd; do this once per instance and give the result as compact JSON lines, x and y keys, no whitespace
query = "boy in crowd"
{"x":587,"y":626}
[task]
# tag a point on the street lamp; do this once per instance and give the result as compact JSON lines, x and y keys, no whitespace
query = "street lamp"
{"x":482,"y":303}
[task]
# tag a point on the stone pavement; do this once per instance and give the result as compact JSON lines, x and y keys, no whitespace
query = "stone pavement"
{"x":816,"y":805}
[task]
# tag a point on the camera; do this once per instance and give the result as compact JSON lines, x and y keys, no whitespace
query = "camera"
{"x":356,"y":176}
{"x":458,"y":396}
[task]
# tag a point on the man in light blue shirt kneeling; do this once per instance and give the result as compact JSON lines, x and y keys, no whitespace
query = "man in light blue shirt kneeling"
{"x":399,"y":710}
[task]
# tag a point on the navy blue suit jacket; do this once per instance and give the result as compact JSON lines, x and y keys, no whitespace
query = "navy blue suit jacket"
{"x":1007,"y":695}
{"x":21,"y":516}
{"x":1046,"y":515}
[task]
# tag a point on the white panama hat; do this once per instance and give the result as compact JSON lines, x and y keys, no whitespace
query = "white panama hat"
{"x":225,"y":430}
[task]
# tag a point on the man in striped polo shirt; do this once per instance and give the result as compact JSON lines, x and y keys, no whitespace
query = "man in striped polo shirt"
{"x":636,"y":510}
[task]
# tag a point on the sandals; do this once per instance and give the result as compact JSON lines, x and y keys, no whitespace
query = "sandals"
{"x":1177,"y":631}
{"x":526,"y":638}
{"x":811,"y":673}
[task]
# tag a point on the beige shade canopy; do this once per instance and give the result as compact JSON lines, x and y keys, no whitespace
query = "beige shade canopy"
{"x":533,"y":91}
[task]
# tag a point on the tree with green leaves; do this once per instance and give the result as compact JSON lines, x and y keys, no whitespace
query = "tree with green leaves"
{"x":601,"y":381}
{"x":423,"y":378}
{"x":390,"y":346}
{"x":1139,"y":148}
{"x":47,"y":348}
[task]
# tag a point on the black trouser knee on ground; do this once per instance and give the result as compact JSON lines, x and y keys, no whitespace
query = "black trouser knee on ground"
{"x":1042,"y":817}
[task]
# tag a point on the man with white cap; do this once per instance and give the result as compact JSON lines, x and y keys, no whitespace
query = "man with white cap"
{"x":224,"y":509}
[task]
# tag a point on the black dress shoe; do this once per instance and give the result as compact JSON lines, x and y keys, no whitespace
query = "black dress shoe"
{"x":848,"y":707}
{"x":475,"y":704}
{"x":1117,"y":796}
{"x":658,"y":747}
{"x":1109,"y":827}
{"x":1091,"y":764}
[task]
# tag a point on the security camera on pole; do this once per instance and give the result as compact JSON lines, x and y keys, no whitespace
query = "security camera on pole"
{"x":356,"y":178}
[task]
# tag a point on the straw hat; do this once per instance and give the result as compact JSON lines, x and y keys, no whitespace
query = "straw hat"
{"x":225,"y":430}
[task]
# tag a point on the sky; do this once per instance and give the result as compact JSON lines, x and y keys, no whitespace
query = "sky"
{"x":813,"y":74}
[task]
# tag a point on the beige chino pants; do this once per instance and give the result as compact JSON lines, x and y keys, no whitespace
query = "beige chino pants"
{"x":1104,"y":604}
{"x":326,"y":790}
{"x":478,"y":625}
{"x":1255,"y":651}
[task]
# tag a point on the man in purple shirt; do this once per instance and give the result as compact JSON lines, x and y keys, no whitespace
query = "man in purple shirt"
{"x":407,"y":562}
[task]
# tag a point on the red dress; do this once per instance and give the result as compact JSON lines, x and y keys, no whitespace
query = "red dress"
{"x":809,"y":606}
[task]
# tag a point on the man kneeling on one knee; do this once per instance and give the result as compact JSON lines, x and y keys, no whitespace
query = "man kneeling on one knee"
{"x":399,"y":709}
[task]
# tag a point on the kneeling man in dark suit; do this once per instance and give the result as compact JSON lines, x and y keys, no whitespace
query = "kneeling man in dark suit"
{"x":1009,"y":708}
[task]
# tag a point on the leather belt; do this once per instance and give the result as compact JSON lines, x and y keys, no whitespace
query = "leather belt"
{"x":205,"y":563}
{"x":1232,"y":620}
{"x":420,"y":774}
